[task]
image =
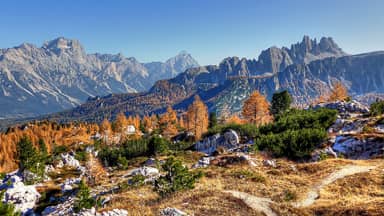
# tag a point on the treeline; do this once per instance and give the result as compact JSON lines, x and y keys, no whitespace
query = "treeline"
{"x":52,"y":134}
{"x":169,"y":124}
{"x":145,"y":146}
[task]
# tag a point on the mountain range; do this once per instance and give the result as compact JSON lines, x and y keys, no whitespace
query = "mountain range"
{"x":61,"y":75}
{"x":306,"y":69}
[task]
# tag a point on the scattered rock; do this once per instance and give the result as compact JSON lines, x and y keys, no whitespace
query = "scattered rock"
{"x":354,"y":148}
{"x":345,"y":109}
{"x":328,"y":151}
{"x":203,"y":162}
{"x":228,"y":140}
{"x":69,"y":160}
{"x":172,"y":212}
{"x":49,"y":168}
{"x":60,"y":164}
{"x":145,"y":171}
{"x":230,"y":159}
{"x":92,"y":212}
{"x":24,"y":197}
{"x":114,"y":212}
{"x":270,"y":163}
{"x":29,"y":176}
{"x":379,"y":128}
{"x":68,"y":184}
{"x":61,"y":209}
{"x":151,"y":162}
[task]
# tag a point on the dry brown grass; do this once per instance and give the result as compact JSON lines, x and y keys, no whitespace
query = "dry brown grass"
{"x":359,"y":194}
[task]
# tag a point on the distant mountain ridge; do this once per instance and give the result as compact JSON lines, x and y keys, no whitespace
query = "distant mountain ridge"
{"x":60,"y":75}
{"x":306,"y":70}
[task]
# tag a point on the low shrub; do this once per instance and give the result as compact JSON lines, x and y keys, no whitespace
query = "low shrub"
{"x":117,"y":155}
{"x":294,"y":144}
{"x":57,"y":150}
{"x":290,"y":195}
{"x":177,"y":178}
{"x":81,"y":156}
{"x":248,"y":130}
{"x":158,"y":145}
{"x":30,"y":159}
{"x":7,"y":209}
{"x":137,"y":181}
{"x":83,"y":198}
{"x":300,"y":119}
{"x":377,"y":108}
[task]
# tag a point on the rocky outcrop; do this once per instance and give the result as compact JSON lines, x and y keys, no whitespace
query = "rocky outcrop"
{"x":228,"y":140}
{"x":321,"y":154}
{"x":203,"y":162}
{"x":355,"y":148}
{"x":172,"y":212}
{"x":150,"y":173}
{"x":69,"y":160}
{"x":66,"y":208}
{"x":344,"y":108}
{"x":353,"y":135}
{"x":24,"y":197}
{"x":92,"y":212}
{"x":69,"y":184}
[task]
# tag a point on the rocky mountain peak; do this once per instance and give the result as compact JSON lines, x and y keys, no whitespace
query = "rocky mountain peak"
{"x":61,"y":44}
{"x":184,"y":57}
{"x":327,"y":44}
{"x":276,"y":59}
{"x":309,"y":50}
{"x":181,"y":62}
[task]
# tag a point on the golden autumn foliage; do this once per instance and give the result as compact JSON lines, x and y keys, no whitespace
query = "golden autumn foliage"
{"x":168,"y":122}
{"x":148,"y":124}
{"x":155,"y":122}
{"x":197,"y":118}
{"x":135,"y":121}
{"x":51,"y":133}
{"x":105,"y":127}
{"x":256,"y":109}
{"x":234,"y":119}
{"x":181,"y":122}
{"x":120,"y":123}
{"x":338,"y":93}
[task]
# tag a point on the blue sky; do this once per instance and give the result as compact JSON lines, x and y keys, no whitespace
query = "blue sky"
{"x":210,"y":30}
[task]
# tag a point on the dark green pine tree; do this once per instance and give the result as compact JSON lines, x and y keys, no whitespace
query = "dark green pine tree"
{"x":83,"y":198}
{"x":281,"y":102}
{"x":212,"y":119}
{"x":27,"y":154}
{"x":177,"y":178}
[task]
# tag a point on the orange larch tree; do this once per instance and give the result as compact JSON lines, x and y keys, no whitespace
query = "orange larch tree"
{"x":181,"y":123}
{"x":105,"y":127}
{"x":120,"y":123}
{"x":147,"y":123}
{"x":234,"y":119}
{"x":256,"y":109}
{"x":197,"y":118}
{"x":338,"y":93}
{"x":168,"y":122}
